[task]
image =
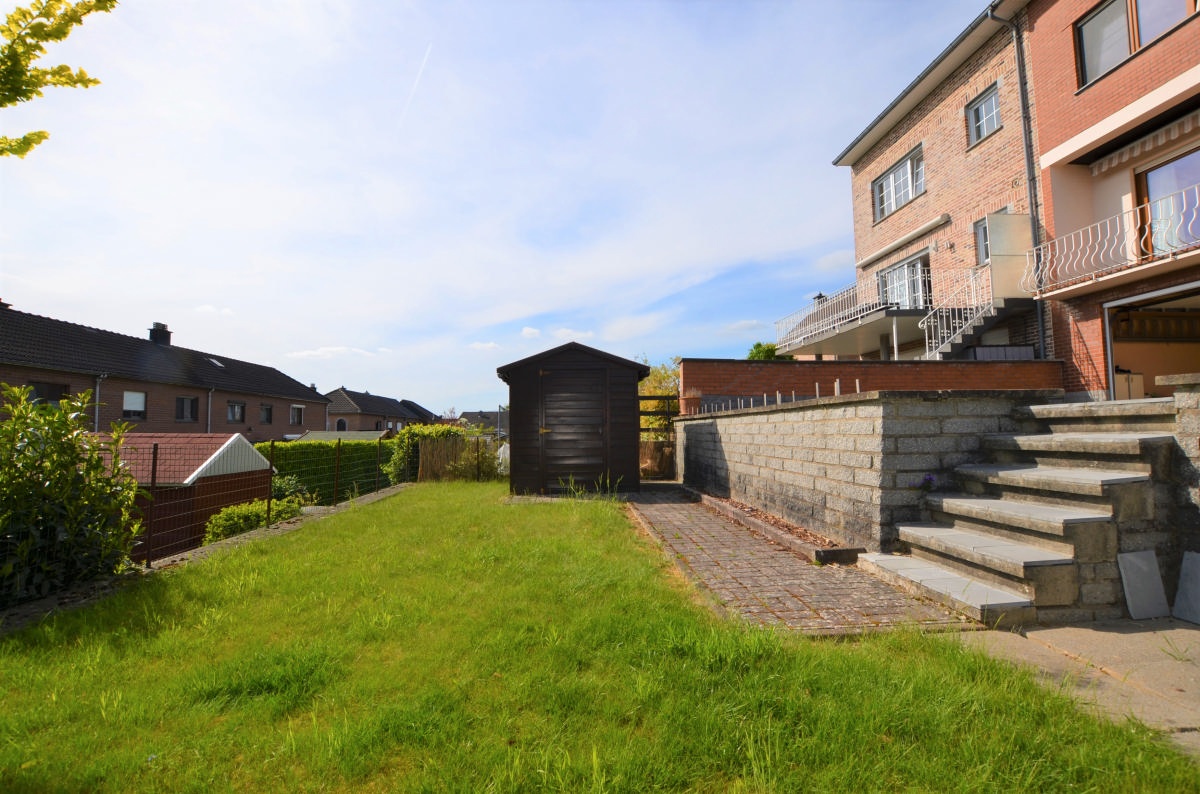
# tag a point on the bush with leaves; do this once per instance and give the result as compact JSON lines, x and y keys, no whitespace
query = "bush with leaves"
{"x":67,"y":504}
{"x":236,"y":519}
{"x":405,"y":463}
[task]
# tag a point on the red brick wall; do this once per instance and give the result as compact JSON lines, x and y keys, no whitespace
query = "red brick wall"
{"x":967,"y":182}
{"x":732,"y":377}
{"x":160,"y":405}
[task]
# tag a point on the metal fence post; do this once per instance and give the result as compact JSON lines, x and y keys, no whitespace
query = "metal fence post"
{"x":337,"y":469}
{"x":271,"y":490}
{"x":150,"y":505}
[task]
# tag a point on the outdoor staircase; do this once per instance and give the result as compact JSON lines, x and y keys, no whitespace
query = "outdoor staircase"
{"x":949,"y":333}
{"x":1032,"y":535}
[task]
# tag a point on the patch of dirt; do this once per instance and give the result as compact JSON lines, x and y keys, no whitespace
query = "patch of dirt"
{"x":779,"y":523}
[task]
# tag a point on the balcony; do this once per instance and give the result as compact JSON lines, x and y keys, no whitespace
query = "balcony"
{"x":1154,"y":236}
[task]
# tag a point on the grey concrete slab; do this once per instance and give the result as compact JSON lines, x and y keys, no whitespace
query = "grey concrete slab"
{"x":1187,"y":597}
{"x":1144,"y":593}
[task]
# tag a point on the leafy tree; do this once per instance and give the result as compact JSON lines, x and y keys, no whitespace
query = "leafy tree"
{"x":68,"y":508}
{"x":662,"y":380}
{"x":24,"y":34}
{"x":764,"y":351}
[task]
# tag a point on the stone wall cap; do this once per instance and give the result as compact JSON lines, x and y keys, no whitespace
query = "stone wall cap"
{"x":1185,"y":379}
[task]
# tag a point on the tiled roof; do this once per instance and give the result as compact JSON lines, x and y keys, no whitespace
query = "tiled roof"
{"x":185,"y":457}
{"x":345,"y":401}
{"x":29,"y":340}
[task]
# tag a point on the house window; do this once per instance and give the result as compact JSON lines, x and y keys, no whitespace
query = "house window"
{"x":266,"y":412}
{"x":982,"y":253}
{"x":900,"y":185}
{"x":906,"y":285}
{"x":1172,"y":192}
{"x":48,"y":392}
{"x":133,"y":405}
{"x":187,"y":409}
{"x":1118,"y":28}
{"x":235,"y":412}
{"x":983,"y":116}
{"x":296,"y":415}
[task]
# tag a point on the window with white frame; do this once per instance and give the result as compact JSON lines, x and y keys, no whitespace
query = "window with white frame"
{"x":1116,"y":29}
{"x":983,"y":116}
{"x":296,"y":415}
{"x":901,"y":184}
{"x":133,"y":405}
{"x":906,"y":285}
{"x":982,"y":253}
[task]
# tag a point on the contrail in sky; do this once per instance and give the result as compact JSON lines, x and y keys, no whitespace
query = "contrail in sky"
{"x":413,"y":91}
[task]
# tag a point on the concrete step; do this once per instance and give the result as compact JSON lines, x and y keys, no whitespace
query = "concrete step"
{"x":1122,"y":443}
{"x":1155,"y":414}
{"x":989,"y":604}
{"x":988,"y":551}
{"x":1033,"y":516}
{"x":1082,"y":482}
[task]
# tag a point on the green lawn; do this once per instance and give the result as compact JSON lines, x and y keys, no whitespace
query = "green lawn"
{"x":442,"y":639}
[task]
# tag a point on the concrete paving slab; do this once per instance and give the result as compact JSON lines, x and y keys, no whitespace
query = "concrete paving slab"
{"x":1144,"y":593}
{"x":1187,"y":597}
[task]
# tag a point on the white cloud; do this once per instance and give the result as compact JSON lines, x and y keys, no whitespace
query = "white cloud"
{"x":484,"y":346}
{"x":569,"y":334}
{"x":530,"y":333}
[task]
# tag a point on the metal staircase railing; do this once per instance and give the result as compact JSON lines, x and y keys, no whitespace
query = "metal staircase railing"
{"x":968,"y":300}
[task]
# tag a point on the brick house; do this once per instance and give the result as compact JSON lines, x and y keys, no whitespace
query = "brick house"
{"x":152,"y":384}
{"x":944,"y":213}
{"x":1118,"y":126}
{"x":353,"y":410}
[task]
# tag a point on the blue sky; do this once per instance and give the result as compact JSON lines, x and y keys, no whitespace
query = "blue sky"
{"x":399,"y":197}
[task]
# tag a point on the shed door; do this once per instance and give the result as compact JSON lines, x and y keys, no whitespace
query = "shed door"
{"x":574,"y":431}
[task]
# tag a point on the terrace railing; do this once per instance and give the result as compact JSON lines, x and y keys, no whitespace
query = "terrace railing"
{"x":822,"y":317}
{"x":1153,"y":231}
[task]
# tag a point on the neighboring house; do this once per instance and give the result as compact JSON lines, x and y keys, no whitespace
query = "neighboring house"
{"x":494,"y":422}
{"x":354,"y":410}
{"x":943,"y":215}
{"x":1117,"y":88}
{"x":150,"y":383}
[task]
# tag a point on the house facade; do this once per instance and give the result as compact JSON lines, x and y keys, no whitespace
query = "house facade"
{"x":944,"y":211}
{"x":1118,"y":126}
{"x":361,"y":411}
{"x":151,"y":384}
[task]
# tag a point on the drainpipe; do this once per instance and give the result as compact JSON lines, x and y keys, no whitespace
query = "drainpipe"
{"x":100,"y":376}
{"x":1030,"y":166}
{"x":208,"y":419}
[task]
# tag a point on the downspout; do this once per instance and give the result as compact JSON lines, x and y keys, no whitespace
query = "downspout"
{"x":1030,"y":166}
{"x":208,"y":419}
{"x":100,"y":376}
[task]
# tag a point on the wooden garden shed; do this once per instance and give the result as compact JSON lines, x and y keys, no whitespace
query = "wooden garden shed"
{"x":575,"y":421}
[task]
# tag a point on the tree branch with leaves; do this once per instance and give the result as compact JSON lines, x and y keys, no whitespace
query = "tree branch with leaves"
{"x":25,"y":33}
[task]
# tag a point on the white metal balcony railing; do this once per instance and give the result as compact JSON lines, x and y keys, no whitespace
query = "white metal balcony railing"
{"x":1156,"y":230}
{"x":968,"y":297}
{"x":956,"y":297}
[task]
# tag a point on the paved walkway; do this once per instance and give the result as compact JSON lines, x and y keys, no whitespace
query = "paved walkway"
{"x":769,"y":584}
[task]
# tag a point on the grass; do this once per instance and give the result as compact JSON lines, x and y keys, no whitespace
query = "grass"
{"x":444,"y":640}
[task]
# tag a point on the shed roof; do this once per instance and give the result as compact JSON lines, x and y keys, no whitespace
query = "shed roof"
{"x":643,"y":370}
{"x":184,"y":458}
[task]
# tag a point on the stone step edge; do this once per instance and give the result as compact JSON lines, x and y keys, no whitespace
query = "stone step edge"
{"x":1062,"y":479}
{"x":992,"y":552}
{"x":1034,"y":516}
{"x":983,"y":602}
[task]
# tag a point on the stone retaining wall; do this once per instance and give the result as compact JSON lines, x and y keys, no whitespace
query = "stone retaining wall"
{"x":848,"y":467}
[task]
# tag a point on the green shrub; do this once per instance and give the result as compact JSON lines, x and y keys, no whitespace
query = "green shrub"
{"x":405,"y":463}
{"x":285,"y":485}
{"x":478,"y":461}
{"x":328,"y":471}
{"x":68,"y":508}
{"x":236,"y":519}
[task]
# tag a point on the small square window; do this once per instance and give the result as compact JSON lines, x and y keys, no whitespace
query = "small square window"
{"x":235,"y":412}
{"x":187,"y":409}
{"x":266,"y":412}
{"x":983,"y":116}
{"x":133,"y":406}
{"x":296,"y":415}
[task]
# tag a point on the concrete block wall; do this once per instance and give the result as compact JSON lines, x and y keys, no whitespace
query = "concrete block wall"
{"x":846,"y":467}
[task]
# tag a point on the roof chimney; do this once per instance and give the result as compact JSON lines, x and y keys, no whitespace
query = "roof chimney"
{"x":159,"y":334}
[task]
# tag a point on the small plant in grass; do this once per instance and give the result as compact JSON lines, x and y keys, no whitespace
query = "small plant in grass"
{"x":289,"y":485}
{"x":236,"y":519}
